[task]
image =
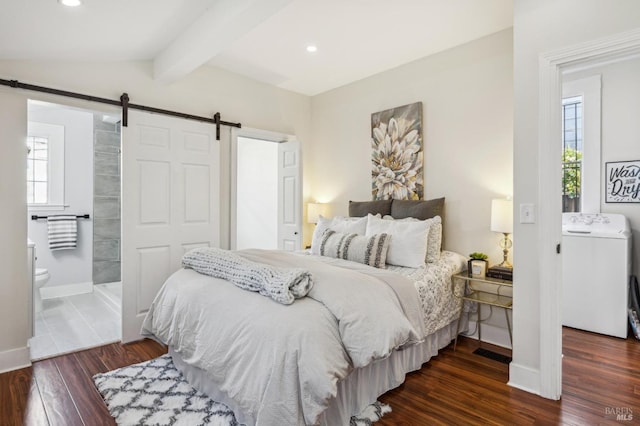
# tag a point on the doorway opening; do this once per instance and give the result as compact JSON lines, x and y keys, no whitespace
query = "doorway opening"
{"x":256,"y":194}
{"x":266,"y":178}
{"x":553,"y":67}
{"x":73,"y":193}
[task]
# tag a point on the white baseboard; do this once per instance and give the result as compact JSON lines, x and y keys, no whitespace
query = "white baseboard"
{"x":14,"y":359}
{"x":524,"y":378}
{"x":491,"y":334}
{"x":51,"y":292}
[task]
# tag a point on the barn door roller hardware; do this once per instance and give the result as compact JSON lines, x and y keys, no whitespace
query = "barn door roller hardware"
{"x":123,"y":103}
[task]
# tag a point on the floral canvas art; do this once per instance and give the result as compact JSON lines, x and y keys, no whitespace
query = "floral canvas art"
{"x":397,"y":155}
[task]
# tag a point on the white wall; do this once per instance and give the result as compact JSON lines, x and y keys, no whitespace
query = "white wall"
{"x":69,"y":266}
{"x":467,"y":98}
{"x":14,"y":329}
{"x":203,"y":92}
{"x":466,"y":93}
{"x":542,"y":26}
{"x":257,"y":194}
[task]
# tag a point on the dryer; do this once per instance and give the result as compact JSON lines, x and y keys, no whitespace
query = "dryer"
{"x":596,"y":265}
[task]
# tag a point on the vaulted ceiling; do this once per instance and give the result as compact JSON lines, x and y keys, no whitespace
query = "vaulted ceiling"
{"x":262,"y":39}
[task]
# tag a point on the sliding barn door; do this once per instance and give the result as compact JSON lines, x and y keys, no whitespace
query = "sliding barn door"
{"x":170,"y":204}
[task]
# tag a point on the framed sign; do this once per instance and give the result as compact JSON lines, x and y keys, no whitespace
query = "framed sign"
{"x":622,"y":181}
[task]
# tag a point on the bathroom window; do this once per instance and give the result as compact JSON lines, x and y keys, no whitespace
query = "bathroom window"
{"x":37,"y":170}
{"x":45,"y":166}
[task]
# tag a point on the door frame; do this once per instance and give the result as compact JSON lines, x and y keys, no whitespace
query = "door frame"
{"x":552,"y":66}
{"x":245,"y":132}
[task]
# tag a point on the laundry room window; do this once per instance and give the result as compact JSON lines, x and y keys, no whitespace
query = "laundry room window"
{"x":581,"y":158}
{"x":572,"y":151}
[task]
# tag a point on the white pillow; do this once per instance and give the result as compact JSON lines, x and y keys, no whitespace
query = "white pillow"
{"x":344,"y":225}
{"x":434,"y":240}
{"x":316,"y":239}
{"x":349,"y":225}
{"x":408,"y":245}
{"x":371,"y":250}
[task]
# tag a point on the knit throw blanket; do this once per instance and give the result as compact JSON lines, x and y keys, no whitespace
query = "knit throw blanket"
{"x":282,"y":285}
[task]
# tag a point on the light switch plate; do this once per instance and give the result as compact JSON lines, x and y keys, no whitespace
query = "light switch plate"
{"x":527,"y":213}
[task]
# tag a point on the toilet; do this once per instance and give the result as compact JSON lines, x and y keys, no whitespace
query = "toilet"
{"x":41,"y":278}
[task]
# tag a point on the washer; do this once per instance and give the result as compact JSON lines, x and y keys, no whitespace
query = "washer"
{"x":596,"y":265}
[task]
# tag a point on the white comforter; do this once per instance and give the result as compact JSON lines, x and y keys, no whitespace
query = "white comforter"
{"x":281,"y":364}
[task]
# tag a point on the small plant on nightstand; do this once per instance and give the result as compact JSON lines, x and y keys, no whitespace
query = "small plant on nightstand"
{"x":477,"y":265}
{"x":478,"y":256}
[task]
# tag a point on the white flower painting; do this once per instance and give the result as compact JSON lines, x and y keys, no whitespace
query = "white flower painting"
{"x":397,"y":155}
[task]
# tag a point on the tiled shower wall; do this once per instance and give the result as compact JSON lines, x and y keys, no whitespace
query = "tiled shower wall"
{"x":106,"y":201}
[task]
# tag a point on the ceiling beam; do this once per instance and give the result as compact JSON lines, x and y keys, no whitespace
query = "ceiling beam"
{"x":222,"y":24}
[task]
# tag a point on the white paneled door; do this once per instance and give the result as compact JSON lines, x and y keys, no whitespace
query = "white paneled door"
{"x":170,"y":204}
{"x":289,"y":196}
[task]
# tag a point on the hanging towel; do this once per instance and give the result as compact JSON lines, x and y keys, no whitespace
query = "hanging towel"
{"x":63,"y":232}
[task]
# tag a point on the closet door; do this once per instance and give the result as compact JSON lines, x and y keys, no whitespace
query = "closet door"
{"x":170,"y":204}
{"x":289,"y":196}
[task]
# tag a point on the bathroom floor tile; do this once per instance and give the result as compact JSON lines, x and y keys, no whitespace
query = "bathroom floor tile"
{"x":40,"y":328}
{"x":108,"y":331}
{"x":73,"y":323}
{"x":55,"y":309}
{"x":62,"y":318}
{"x":111,"y":294}
{"x":91,"y":306}
{"x":115,"y":289}
{"x":71,"y":336}
{"x":42,"y":346}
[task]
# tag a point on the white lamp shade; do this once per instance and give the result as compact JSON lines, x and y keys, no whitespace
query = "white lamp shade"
{"x":314,"y":210}
{"x":502,"y":216}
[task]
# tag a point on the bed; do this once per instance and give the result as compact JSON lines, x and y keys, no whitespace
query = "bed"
{"x":320,"y":359}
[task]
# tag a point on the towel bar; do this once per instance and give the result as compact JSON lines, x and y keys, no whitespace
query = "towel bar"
{"x":81,"y":216}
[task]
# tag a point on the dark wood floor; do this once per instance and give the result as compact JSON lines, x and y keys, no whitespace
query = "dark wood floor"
{"x":601,"y":375}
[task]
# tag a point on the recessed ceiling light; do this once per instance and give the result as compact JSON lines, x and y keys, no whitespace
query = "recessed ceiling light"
{"x":70,"y":3}
{"x":311,"y":48}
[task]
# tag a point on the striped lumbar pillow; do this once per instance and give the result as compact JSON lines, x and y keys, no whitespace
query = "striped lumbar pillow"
{"x":370,"y":250}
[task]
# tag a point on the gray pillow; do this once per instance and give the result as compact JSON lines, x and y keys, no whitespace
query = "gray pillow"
{"x":420,"y":209}
{"x":363,"y":208}
{"x":371,"y":250}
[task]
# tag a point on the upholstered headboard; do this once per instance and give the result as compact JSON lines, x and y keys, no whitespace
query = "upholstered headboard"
{"x":399,"y":209}
{"x":363,"y":208}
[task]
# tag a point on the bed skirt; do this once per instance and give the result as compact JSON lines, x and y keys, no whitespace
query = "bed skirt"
{"x":360,"y":388}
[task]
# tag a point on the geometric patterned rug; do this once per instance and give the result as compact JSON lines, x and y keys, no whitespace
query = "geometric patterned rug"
{"x":155,"y":393}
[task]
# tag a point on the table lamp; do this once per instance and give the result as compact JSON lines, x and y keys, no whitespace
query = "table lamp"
{"x":314,"y":211}
{"x":502,"y":221}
